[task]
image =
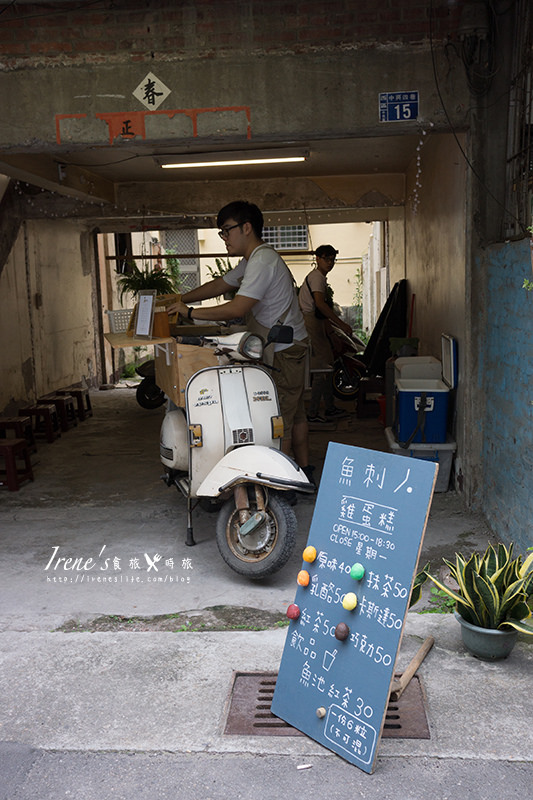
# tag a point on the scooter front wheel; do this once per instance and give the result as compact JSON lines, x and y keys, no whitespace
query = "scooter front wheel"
{"x":267,"y":548}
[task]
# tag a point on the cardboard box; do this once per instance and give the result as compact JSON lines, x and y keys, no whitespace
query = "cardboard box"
{"x":176,"y":363}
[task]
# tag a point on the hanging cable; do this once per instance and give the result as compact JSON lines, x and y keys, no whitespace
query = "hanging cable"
{"x":459,"y":145}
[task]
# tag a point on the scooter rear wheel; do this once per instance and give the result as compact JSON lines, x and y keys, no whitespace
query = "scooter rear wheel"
{"x":345,"y":382}
{"x":267,"y":548}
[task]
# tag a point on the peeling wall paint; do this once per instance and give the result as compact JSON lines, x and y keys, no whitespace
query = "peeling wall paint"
{"x":506,"y":375}
{"x":46,"y":328}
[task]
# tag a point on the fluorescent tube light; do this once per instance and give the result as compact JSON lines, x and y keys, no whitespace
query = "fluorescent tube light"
{"x":231,"y":159}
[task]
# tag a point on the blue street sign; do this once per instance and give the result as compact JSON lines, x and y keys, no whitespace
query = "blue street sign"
{"x":398,"y":106}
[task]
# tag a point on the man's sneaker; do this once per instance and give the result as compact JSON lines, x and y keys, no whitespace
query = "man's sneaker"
{"x":316,"y":418}
{"x":336,"y":413}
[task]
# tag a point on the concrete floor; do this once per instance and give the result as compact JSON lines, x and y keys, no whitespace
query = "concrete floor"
{"x":123,"y":713}
{"x":98,"y":494}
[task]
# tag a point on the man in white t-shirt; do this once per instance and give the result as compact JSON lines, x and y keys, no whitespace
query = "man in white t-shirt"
{"x":265,"y":295}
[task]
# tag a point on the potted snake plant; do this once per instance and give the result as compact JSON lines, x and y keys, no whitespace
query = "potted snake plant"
{"x":492,"y":593}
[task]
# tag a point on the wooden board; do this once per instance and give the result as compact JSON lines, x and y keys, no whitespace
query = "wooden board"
{"x":120,"y":341}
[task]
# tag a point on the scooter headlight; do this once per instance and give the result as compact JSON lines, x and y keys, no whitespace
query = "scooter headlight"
{"x":251,"y":346}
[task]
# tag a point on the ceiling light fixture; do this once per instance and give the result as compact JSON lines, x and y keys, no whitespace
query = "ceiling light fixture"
{"x":243,"y":158}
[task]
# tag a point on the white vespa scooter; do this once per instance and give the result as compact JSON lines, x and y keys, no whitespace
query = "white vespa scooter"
{"x":225,"y":445}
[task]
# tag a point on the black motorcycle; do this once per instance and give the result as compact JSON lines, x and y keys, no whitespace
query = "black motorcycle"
{"x":148,"y":393}
{"x":354,"y":360}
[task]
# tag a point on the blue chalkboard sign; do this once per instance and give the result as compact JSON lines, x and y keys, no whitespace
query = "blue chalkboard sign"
{"x":352,"y":598}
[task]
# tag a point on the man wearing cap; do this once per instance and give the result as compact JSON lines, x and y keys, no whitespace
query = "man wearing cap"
{"x":316,"y":310}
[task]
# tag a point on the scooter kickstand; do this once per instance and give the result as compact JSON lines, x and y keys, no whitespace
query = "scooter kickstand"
{"x":189,"y":541}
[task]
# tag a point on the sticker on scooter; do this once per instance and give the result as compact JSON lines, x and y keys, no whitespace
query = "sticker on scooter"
{"x":206,"y":401}
{"x":261,"y":395}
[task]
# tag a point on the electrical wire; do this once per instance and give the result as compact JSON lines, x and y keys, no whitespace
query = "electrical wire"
{"x":105,"y":163}
{"x":3,"y":11}
{"x":459,"y":145}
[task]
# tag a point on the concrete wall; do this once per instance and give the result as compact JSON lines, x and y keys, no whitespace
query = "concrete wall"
{"x":47,"y":327}
{"x":138,"y":30}
{"x":435,"y":248}
{"x":505,"y":376}
{"x":434,"y":260}
{"x":222,"y":58}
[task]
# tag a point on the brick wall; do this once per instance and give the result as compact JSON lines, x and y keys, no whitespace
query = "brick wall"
{"x":141,"y":30}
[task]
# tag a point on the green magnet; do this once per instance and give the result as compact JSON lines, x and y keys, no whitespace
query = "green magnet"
{"x":357,"y":572}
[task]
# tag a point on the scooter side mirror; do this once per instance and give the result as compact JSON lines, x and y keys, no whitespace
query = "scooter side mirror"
{"x":282,"y":334}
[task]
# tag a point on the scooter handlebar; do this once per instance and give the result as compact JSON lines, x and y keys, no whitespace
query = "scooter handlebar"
{"x":198,"y":341}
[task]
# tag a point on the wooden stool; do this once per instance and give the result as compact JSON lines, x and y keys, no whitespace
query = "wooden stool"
{"x":46,"y":420}
{"x":64,"y":404}
{"x":23,"y":430}
{"x":11,"y":450}
{"x":84,"y":407}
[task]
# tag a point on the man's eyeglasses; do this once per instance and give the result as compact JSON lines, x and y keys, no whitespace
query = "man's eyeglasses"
{"x":224,"y":232}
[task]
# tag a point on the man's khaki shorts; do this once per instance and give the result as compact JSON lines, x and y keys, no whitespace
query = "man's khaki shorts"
{"x":290,"y":383}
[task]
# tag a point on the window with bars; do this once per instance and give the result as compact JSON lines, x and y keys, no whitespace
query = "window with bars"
{"x":519,"y":182}
{"x":184,"y":243}
{"x":287,"y":237}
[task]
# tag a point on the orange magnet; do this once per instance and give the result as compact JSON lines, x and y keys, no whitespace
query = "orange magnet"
{"x":309,"y":554}
{"x":303,"y":578}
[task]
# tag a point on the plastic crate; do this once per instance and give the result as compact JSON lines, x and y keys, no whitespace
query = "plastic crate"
{"x":119,"y":319}
{"x":441,"y":453}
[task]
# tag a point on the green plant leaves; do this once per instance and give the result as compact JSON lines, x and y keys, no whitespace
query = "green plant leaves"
{"x":487,"y":600}
{"x":493,"y":588}
{"x":163,"y":281}
{"x":418,"y":582}
{"x":446,"y":589}
{"x":521,"y":627}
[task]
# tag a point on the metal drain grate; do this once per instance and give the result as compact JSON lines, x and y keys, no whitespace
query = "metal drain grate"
{"x":251,"y":699}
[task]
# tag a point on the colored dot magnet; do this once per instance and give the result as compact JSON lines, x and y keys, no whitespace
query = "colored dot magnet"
{"x":342,"y":631}
{"x":293,"y":612}
{"x":309,"y":554}
{"x":303,"y":578}
{"x":349,"y":601}
{"x":357,"y":572}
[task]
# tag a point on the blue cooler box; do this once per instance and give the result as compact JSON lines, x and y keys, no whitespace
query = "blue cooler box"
{"x":430,"y":423}
{"x":433,"y":419}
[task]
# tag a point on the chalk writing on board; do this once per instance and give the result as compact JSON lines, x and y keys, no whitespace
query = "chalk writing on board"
{"x":352,"y":598}
{"x":350,"y":733}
